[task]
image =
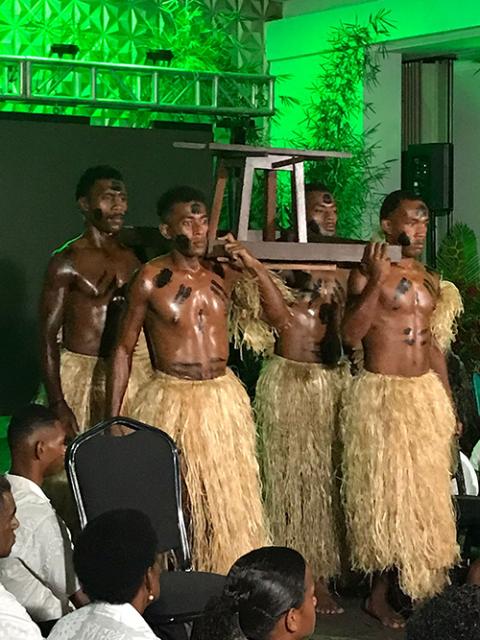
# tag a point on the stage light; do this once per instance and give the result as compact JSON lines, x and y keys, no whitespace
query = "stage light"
{"x":64,"y":50}
{"x":160,"y":55}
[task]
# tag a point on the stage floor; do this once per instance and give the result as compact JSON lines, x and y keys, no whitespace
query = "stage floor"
{"x":353,"y":625}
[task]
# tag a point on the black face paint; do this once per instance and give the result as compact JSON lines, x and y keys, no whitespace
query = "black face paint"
{"x":327,"y":198}
{"x":313,"y":226}
{"x":195,"y":208}
{"x":219,"y":270}
{"x":97,"y":214}
{"x":402,"y":287}
{"x":403,"y":240}
{"x":116,"y":185}
{"x":162,"y":278}
{"x":182,"y":294}
{"x":182,"y":242}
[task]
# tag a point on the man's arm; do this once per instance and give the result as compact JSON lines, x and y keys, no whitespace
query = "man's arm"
{"x":364,"y":286}
{"x":52,"y":304}
{"x":121,"y":361}
{"x":275,"y":309}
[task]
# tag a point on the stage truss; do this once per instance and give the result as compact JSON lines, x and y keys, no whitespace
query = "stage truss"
{"x":103,"y":85}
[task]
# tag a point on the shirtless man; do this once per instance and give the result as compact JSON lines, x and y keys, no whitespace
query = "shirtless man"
{"x":183,"y":300}
{"x":81,"y":301}
{"x":398,"y":421}
{"x":296,"y":405}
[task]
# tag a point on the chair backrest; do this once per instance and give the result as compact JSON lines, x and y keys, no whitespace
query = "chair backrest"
{"x":139,"y":471}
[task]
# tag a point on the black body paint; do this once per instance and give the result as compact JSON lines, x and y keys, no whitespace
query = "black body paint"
{"x":409,"y":341}
{"x":183,"y":294}
{"x":162,"y":278}
{"x":402,"y":287}
{"x":218,"y":290}
{"x":407,"y":331}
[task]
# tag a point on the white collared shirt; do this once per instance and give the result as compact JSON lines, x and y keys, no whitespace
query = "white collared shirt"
{"x":15,"y":623}
{"x":103,"y":621}
{"x":39,"y":571}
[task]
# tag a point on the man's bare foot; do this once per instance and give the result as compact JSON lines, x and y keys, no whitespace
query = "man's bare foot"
{"x":326,"y":603}
{"x":380,"y":609}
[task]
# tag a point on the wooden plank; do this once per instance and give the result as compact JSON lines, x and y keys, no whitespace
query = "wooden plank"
{"x":246,"y":149}
{"x":300,"y":208}
{"x":222,"y":177}
{"x":305,"y":252}
{"x":246,"y":199}
{"x":270,"y":205}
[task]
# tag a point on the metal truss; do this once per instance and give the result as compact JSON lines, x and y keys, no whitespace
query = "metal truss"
{"x":61,"y":82}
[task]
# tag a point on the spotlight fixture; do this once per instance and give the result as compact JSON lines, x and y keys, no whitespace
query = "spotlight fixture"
{"x":62,"y":49}
{"x":160,"y":55}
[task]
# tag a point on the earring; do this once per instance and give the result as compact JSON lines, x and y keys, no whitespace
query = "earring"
{"x":151,"y":597}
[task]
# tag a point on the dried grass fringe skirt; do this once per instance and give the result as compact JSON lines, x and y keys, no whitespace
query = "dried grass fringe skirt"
{"x":212,"y":424}
{"x":397,"y":435}
{"x":296,"y":407}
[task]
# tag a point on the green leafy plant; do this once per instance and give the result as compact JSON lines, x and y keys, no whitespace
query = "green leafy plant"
{"x":335,"y":103}
{"x":458,"y":261}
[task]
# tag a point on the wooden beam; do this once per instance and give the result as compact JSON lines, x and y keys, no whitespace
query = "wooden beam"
{"x":305,"y":252}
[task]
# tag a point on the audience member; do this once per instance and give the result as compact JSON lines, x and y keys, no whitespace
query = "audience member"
{"x":39,"y":571}
{"x":452,"y":615}
{"x":269,"y":593}
{"x":116,"y":561}
{"x":15,"y":623}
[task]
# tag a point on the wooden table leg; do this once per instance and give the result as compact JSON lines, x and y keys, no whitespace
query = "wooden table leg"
{"x":270,"y":206}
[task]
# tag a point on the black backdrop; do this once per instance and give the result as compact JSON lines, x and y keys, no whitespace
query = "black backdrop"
{"x":40,"y":164}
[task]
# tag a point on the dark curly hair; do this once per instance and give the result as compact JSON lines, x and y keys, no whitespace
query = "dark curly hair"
{"x":452,"y":615}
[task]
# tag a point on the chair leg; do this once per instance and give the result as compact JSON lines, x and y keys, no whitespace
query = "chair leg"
{"x":246,"y":199}
{"x":298,"y":176}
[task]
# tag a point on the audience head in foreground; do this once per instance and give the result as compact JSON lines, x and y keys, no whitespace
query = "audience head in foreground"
{"x":269,"y":594}
{"x":452,"y":615}
{"x":8,"y":520}
{"x":116,"y":561}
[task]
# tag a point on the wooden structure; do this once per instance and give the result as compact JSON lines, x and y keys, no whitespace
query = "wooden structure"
{"x":248,"y":159}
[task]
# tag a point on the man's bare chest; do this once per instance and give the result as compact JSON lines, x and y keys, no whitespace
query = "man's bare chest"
{"x":100,"y":276}
{"x":409,"y":292}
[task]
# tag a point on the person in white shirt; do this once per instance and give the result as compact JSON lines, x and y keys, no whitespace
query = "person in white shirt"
{"x":15,"y":623}
{"x":39,"y":571}
{"x":117,"y":563}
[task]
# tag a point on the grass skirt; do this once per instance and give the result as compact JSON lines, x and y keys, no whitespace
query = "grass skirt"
{"x":211,"y":422}
{"x":83,"y":383}
{"x":397,"y":435}
{"x":296,"y":406}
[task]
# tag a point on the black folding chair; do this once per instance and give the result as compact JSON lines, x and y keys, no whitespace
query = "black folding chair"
{"x":141,"y":471}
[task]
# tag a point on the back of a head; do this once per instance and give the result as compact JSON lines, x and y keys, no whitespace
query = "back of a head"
{"x":91,"y":175}
{"x":392,"y":202}
{"x":182,"y":193}
{"x":261,"y":587}
{"x":26,"y":421}
{"x":112,"y":555}
{"x":452,"y":615}
{"x":311,"y":187}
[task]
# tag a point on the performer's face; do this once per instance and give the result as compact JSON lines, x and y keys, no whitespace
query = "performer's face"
{"x":106,"y":205}
{"x":187,"y":227}
{"x":408,"y":226}
{"x":53,"y":442}
{"x":8,"y":524}
{"x":321,"y":212}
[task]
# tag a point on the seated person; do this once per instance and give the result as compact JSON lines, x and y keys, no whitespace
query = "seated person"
{"x":14,"y":620}
{"x":269,"y":594}
{"x":39,"y":571}
{"x":116,"y":561}
{"x":452,"y":615}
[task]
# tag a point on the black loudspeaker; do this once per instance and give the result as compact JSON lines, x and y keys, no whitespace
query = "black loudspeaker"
{"x":427,"y":170}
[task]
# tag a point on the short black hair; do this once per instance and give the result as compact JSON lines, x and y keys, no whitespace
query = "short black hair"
{"x":452,"y":615}
{"x":91,"y":175}
{"x":182,"y":193}
{"x":112,"y":555}
{"x":26,"y":421}
{"x":4,"y":488}
{"x":316,"y":186}
{"x":393,"y":201}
